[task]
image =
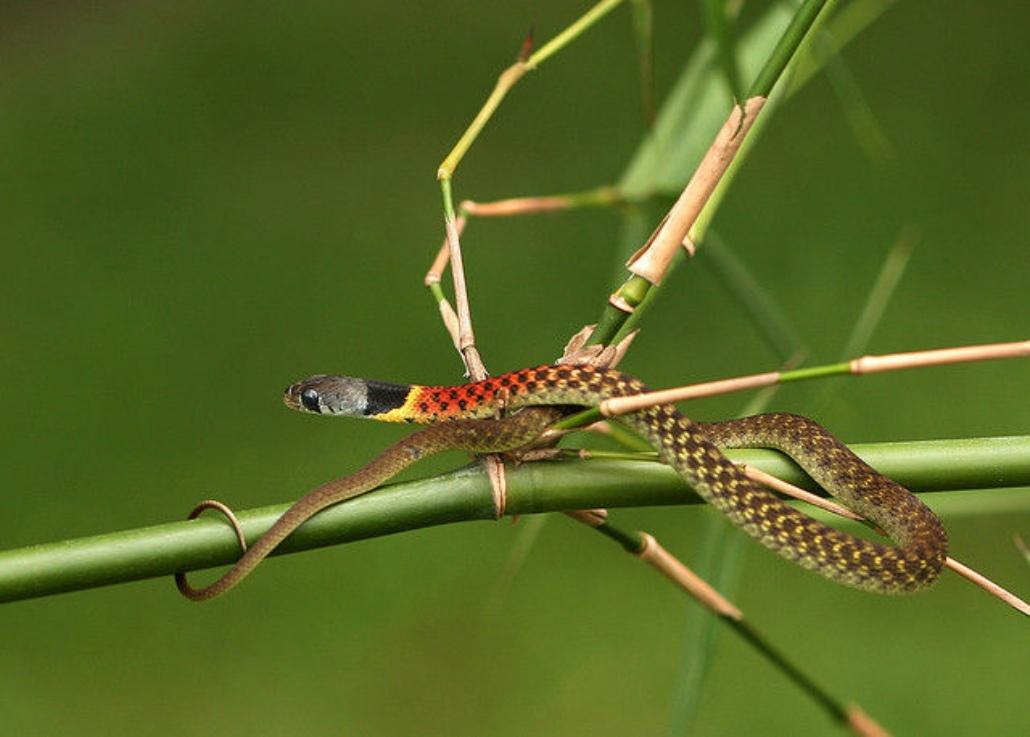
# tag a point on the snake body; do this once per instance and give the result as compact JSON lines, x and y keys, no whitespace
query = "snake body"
{"x":459,"y":417}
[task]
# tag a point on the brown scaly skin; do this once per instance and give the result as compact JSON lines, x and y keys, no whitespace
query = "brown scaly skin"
{"x":689,"y":447}
{"x":475,"y":436}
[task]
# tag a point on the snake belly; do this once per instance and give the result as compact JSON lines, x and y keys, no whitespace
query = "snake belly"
{"x":912,"y":563}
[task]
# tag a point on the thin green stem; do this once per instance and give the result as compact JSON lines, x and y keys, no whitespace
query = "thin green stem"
{"x":786,"y":48}
{"x":815,"y":372}
{"x":510,"y":77}
{"x":631,"y":542}
{"x":876,"y":302}
{"x":837,"y":710}
{"x":856,"y":367}
{"x":579,"y":419}
{"x":437,"y":291}
{"x":627,"y":439}
{"x":632,"y":295}
{"x":636,"y":543}
{"x":504,"y":83}
{"x":570,"y":34}
{"x":448,"y":200}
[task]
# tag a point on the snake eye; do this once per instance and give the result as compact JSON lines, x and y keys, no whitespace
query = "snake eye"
{"x":309,"y":398}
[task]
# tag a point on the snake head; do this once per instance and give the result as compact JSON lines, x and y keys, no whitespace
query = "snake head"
{"x":328,"y":395}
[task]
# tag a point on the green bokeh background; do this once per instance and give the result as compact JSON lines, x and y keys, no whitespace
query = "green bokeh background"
{"x":202,"y":202}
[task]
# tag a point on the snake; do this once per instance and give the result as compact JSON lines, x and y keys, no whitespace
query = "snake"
{"x":509,"y":411}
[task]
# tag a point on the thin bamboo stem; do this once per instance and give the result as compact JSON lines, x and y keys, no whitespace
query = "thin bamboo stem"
{"x":505,"y":82}
{"x":466,"y":341}
{"x":784,"y":52}
{"x":597,"y":197}
{"x":653,"y":260}
{"x":856,"y":367}
{"x":510,"y":76}
{"x":571,"y":33}
{"x":645,"y":547}
{"x":514,"y":206}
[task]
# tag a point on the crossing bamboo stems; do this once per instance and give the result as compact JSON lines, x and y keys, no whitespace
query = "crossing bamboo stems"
{"x":696,"y":203}
{"x":971,"y":575}
{"x":646,"y":548}
{"x":788,"y":489}
{"x":466,"y":339}
{"x":507,"y":79}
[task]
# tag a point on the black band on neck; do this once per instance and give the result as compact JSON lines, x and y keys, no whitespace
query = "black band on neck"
{"x":382,"y":397}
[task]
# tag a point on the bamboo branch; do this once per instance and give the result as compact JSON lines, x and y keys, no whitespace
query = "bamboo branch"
{"x":616,"y":406}
{"x":696,"y":203}
{"x":465,"y":495}
{"x":645,"y":547}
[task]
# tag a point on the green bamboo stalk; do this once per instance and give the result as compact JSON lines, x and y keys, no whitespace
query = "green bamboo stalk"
{"x":688,"y":120}
{"x":634,"y":291}
{"x":70,"y":565}
{"x":786,"y":48}
{"x":693,"y":111}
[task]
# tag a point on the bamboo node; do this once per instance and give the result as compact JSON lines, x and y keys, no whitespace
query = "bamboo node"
{"x":619,"y":303}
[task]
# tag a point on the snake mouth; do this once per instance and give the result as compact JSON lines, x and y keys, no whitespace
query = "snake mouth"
{"x":291,"y":396}
{"x":304,"y":398}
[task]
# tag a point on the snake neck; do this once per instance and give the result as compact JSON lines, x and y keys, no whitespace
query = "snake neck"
{"x":552,"y":385}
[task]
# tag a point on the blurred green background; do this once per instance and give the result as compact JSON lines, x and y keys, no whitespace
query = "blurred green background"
{"x":202,"y":202}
